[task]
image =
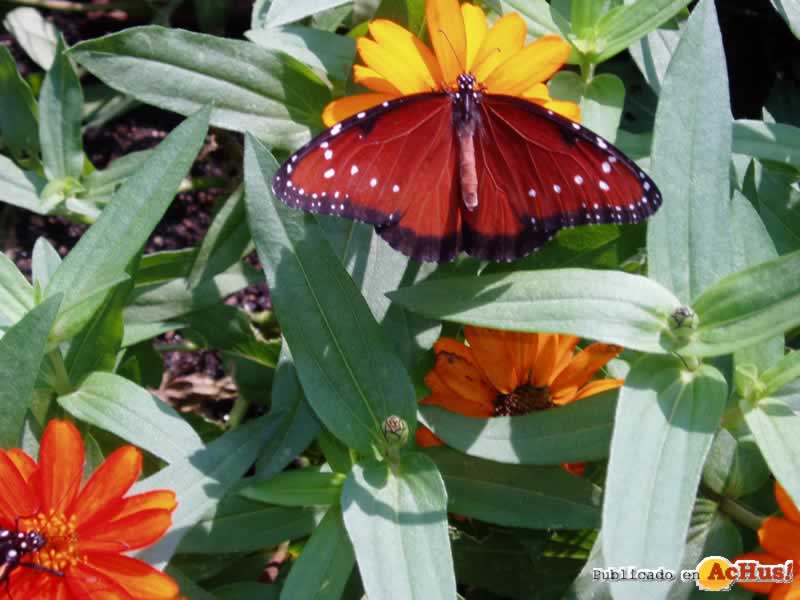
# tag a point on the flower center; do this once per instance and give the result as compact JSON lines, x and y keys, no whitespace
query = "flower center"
{"x":61,"y":549}
{"x":523,"y":400}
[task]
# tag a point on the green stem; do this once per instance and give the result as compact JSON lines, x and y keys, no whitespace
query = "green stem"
{"x":60,"y":383}
{"x":202,"y":183}
{"x":180,"y":347}
{"x":239,"y":410}
{"x":587,"y":71}
{"x":739,"y":513}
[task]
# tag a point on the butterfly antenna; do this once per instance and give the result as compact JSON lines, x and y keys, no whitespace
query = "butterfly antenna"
{"x":455,"y":54}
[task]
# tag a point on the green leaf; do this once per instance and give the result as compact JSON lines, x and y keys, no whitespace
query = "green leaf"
{"x":789,"y":10}
{"x":517,"y":496}
{"x":37,"y":36}
{"x":302,"y":487}
{"x":18,"y":119}
{"x":734,"y":466}
{"x":325,"y":563}
{"x":540,"y":18}
{"x":45,"y":261}
{"x":665,"y":422}
{"x":16,"y":294}
{"x":777,"y":200}
{"x":241,"y":525}
{"x":324,"y":52}
{"x":21,"y":351}
{"x":579,"y":431}
{"x":602,"y":102}
{"x":101,"y":185}
{"x":282,"y":12}
{"x":132,"y":413}
{"x":611,"y":306}
{"x":247,"y":590}
{"x":653,"y":53}
{"x":748,"y":307}
{"x":61,"y":102}
{"x":299,"y":425}
{"x":251,"y":89}
{"x":584,"y":17}
{"x":775,"y":142}
{"x":776,"y":429}
{"x":202,"y":479}
{"x":397,"y":521}
{"x":352,"y":382}
{"x":21,"y":188}
{"x":127,"y":222}
{"x":691,"y":163}
{"x":622,"y":27}
{"x":783,"y":373}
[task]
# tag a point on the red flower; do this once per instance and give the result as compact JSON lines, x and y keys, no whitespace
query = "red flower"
{"x":87,"y":531}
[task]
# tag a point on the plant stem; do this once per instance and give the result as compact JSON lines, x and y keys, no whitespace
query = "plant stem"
{"x":202,"y":183}
{"x":61,"y":383}
{"x":239,"y":410}
{"x":739,"y":513}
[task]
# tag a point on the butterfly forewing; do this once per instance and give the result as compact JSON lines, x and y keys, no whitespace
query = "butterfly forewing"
{"x":393,"y":166}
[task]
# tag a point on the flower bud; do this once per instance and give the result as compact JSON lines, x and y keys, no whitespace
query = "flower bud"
{"x":395,"y":431}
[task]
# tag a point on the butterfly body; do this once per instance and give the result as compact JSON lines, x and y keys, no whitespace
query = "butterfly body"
{"x":462,"y":169}
{"x":14,"y":546}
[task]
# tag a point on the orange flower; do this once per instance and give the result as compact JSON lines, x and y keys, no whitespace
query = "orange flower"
{"x":780,"y":538}
{"x":508,"y":373}
{"x":397,"y":63}
{"x":86,"y":531}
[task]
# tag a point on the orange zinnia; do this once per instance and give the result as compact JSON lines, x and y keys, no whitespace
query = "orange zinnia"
{"x":86,"y":532}
{"x":780,"y":538}
{"x":508,"y":373}
{"x":397,"y":63}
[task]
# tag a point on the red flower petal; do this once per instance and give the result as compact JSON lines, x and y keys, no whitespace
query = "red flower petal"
{"x":108,"y":484}
{"x":83,"y":582}
{"x":129,"y":533}
{"x":139,"y":579}
{"x":24,"y":463}
{"x":156,"y":499}
{"x":60,"y":465}
{"x":17,"y":499}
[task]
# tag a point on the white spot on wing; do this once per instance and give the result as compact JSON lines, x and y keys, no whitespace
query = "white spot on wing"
{"x":604,"y":186}
{"x":601,"y":142}
{"x":353,"y":169}
{"x":361,"y":115}
{"x":373,"y":182}
{"x":395,"y":188}
{"x":336,"y":129}
{"x":557,"y":188}
{"x":328,"y":154}
{"x":578,"y":179}
{"x":606,"y":167}
{"x":329,"y":173}
{"x":532,"y":193}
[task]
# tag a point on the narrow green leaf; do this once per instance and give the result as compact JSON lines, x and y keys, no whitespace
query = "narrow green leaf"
{"x":611,"y":306}
{"x":748,"y":307}
{"x":775,"y":142}
{"x":325,"y":563}
{"x":127,"y":222}
{"x":304,"y":487}
{"x":353,"y":383}
{"x":101,"y":185}
{"x":61,"y":103}
{"x":777,"y":201}
{"x":19,"y":117}
{"x":691,"y":163}
{"x":580,"y":431}
{"x":37,"y":36}
{"x":539,"y":16}
{"x":397,"y":522}
{"x":45,"y":261}
{"x":786,"y":371}
{"x":299,"y":426}
{"x":202,"y":479}
{"x":132,"y":413}
{"x":517,"y":496}
{"x":16,"y":294}
{"x":21,"y":351}
{"x":776,"y":429}
{"x":247,"y":590}
{"x":653,"y":53}
{"x":282,"y":12}
{"x":602,"y":102}
{"x":251,"y":89}
{"x":665,"y":422}
{"x":622,"y":27}
{"x":21,"y":188}
{"x":735,"y":466}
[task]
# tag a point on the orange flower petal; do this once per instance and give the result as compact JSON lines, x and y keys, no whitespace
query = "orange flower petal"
{"x":29,"y":583}
{"x":788,"y":508}
{"x":570,"y":110}
{"x":373,"y":80}
{"x":545,"y":359}
{"x":786,"y":591}
{"x":61,"y":459}
{"x":453,"y":346}
{"x":17,"y":499}
{"x":537,"y":92}
{"x":156,"y":499}
{"x":533,"y":64}
{"x":408,"y":48}
{"x":500,"y":355}
{"x":780,"y":537}
{"x":446,"y":29}
{"x":575,"y":468}
{"x":426,"y":438}
{"x":598,"y":386}
{"x":505,"y":38}
{"x":475,"y":28}
{"x":129,"y":533}
{"x":139,"y":579}
{"x":466,"y":390}
{"x":108,"y":483}
{"x":24,"y":463}
{"x":584,"y":365}
{"x":759,"y":588}
{"x":84,"y":581}
{"x":392,"y":67}
{"x":565,"y":349}
{"x":340,"y":109}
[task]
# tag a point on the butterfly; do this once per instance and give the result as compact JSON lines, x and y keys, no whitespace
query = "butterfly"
{"x":14,"y":546}
{"x":442,"y":172}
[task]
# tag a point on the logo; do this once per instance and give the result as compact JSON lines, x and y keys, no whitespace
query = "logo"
{"x":718,"y":574}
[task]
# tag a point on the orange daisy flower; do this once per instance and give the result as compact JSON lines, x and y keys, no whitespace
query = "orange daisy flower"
{"x":508,"y":373}
{"x":83,"y":533}
{"x":397,"y":63}
{"x":780,"y":539}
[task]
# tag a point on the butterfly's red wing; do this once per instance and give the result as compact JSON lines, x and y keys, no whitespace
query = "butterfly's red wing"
{"x":539,"y":172}
{"x":393,"y":166}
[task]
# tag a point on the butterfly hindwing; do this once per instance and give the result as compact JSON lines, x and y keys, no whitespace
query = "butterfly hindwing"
{"x":393,"y":166}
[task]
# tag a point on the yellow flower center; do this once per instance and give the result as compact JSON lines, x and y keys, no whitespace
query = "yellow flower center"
{"x":523,"y":400}
{"x":61,"y":548}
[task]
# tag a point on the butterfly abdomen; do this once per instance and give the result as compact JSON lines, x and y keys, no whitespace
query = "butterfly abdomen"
{"x":466,"y":120}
